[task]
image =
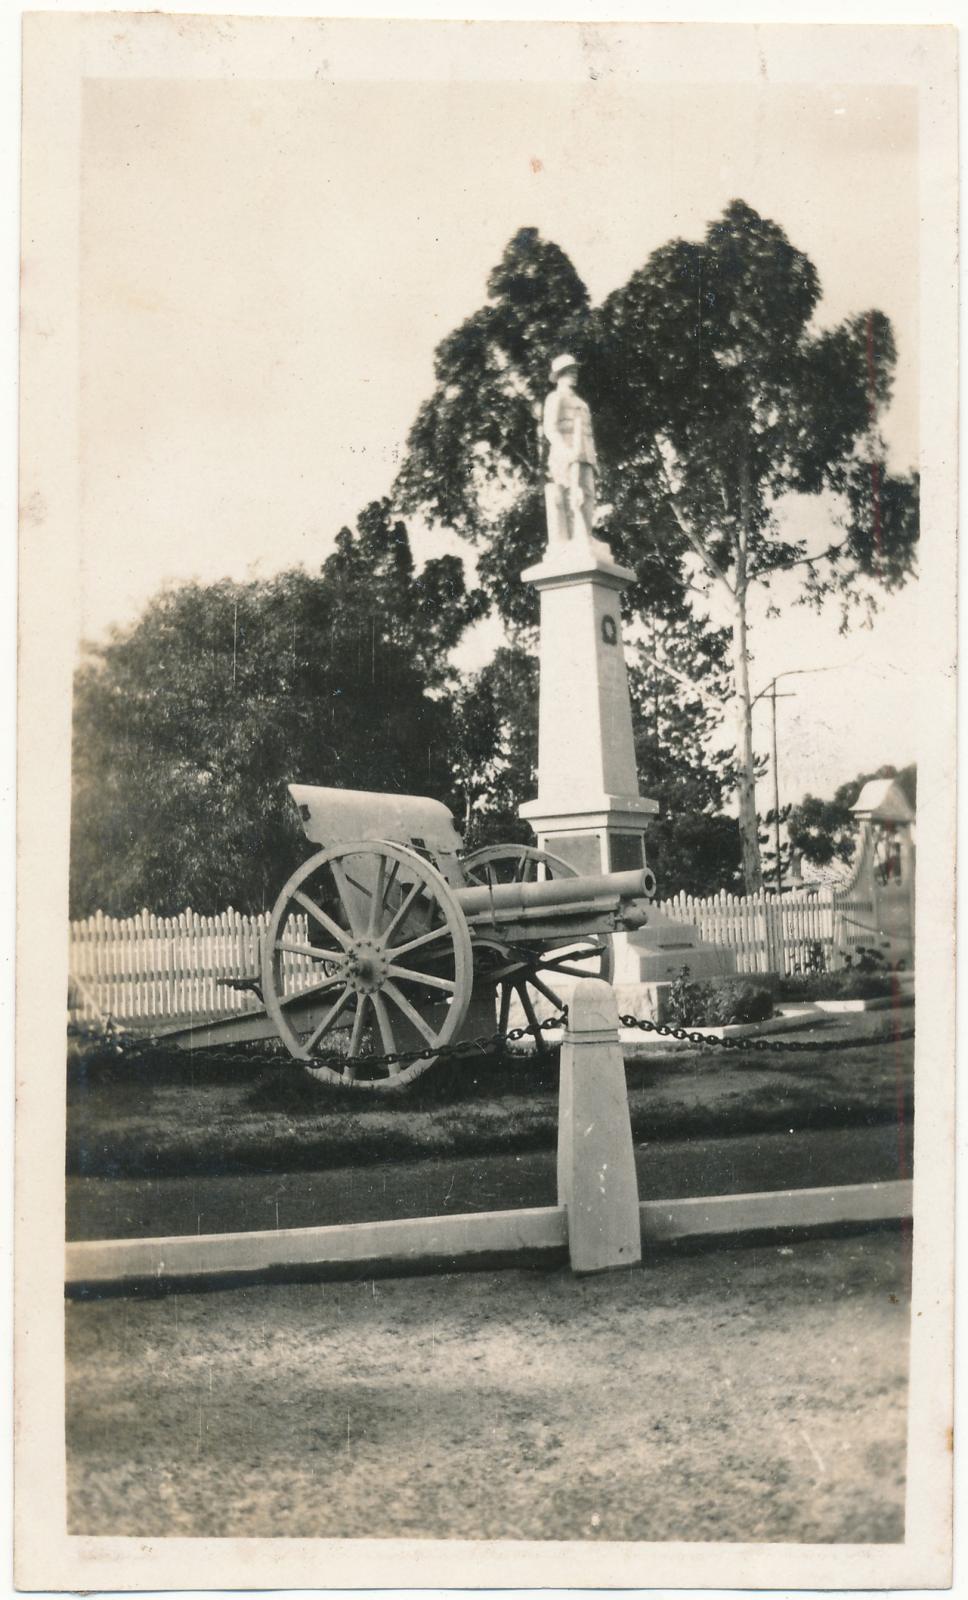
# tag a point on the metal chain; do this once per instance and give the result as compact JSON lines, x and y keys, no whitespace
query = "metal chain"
{"x":787,"y":1046}
{"x":491,"y":1044}
{"x":486,"y":1044}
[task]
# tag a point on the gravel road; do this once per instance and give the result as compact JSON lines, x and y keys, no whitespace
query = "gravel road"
{"x":741,"y":1394}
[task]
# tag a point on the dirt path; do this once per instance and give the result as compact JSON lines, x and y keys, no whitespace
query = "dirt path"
{"x":102,"y":1208}
{"x":736,"y":1395}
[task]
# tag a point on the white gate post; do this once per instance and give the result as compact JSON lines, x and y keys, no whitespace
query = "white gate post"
{"x":597,"y":1184}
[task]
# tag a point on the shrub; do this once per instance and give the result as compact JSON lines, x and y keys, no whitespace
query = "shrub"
{"x":714,"y":1005}
{"x":867,"y":985}
{"x":867,"y":958}
{"x":743,"y":1002}
{"x":849,"y":984}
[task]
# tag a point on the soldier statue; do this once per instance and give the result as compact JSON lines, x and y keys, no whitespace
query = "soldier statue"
{"x":572,"y":462}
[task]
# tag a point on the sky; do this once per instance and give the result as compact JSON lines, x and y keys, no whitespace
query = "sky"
{"x":267,"y":267}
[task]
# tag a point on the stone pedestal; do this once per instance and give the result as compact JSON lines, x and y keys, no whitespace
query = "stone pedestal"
{"x":588,"y":810}
{"x":597,"y":1183}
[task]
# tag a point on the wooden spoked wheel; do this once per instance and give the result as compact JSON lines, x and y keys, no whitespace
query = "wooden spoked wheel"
{"x":532,"y":972}
{"x":367,"y":952}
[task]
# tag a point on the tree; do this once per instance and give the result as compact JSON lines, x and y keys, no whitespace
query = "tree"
{"x":189,"y":723}
{"x":496,"y":747}
{"x":678,"y":682}
{"x":823,"y":831}
{"x":714,"y":399}
{"x":717,"y":401}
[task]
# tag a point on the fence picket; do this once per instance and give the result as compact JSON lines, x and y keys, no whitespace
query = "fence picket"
{"x":150,"y":969}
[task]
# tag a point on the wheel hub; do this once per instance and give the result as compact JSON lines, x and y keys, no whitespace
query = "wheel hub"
{"x":366,"y":966}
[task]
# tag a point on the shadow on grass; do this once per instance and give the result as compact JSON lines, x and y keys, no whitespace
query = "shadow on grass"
{"x":162,"y":1112}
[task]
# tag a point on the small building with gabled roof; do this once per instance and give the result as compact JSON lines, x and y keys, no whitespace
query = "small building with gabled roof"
{"x":883,"y":800}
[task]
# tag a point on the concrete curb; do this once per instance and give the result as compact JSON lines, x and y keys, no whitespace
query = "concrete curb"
{"x":363,"y":1248}
{"x":537,"y":1237}
{"x":884,"y":1003}
{"x":776,"y":1211}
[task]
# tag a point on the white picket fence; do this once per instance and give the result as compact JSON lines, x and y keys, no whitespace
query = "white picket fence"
{"x":146,"y":969}
{"x":769,"y":934}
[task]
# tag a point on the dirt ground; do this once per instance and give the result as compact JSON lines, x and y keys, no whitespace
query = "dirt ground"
{"x":739,"y":1394}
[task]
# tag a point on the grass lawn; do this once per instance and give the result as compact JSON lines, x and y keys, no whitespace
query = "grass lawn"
{"x":167,"y":1113}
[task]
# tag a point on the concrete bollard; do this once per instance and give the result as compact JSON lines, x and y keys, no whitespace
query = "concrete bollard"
{"x":596,"y":1164}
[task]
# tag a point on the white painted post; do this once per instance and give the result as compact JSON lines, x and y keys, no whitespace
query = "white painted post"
{"x":596,"y":1164}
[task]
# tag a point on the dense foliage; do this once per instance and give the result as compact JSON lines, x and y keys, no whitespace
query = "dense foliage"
{"x":678,"y":681}
{"x":716,"y":1003}
{"x":714,"y":399}
{"x":823,"y":831}
{"x":189,"y":724}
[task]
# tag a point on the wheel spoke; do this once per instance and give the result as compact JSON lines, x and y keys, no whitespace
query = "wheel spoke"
{"x":383,"y":1019}
{"x":412,"y":1016}
{"x":505,"y":1012}
{"x":311,"y":988}
{"x":342,"y":884}
{"x":357,"y":1034}
{"x":402,"y":910}
{"x":391,"y":881}
{"x":542,"y":988}
{"x":418,"y":943}
{"x":421,"y":977}
{"x":294,"y":948}
{"x":376,"y":904}
{"x":338,"y":933}
{"x":531,"y":1015}
{"x":328,"y":1020}
{"x":355,"y":1037}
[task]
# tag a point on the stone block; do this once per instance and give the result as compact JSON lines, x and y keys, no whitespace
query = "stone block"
{"x":658,"y":952}
{"x":704,"y":961}
{"x":597,"y":1183}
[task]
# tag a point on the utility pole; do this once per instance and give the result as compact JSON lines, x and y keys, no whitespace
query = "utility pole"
{"x":794,"y":672}
{"x":776,"y":797}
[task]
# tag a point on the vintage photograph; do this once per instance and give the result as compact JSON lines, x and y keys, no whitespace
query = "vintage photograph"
{"x":493,"y":737}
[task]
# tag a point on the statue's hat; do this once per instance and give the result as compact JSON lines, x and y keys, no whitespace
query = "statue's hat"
{"x":561,"y":364}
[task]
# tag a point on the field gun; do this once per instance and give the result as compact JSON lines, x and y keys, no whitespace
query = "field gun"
{"x":390,"y":938}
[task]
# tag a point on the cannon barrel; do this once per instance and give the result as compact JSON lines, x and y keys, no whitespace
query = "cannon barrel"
{"x":555,"y":892}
